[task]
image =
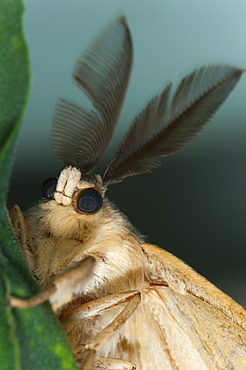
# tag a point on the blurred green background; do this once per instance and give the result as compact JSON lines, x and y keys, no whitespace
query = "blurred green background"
{"x":195,"y":204}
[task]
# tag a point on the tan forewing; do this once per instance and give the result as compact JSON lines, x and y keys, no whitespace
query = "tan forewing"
{"x":80,"y":138}
{"x":186,"y":305}
{"x":162,"y":129}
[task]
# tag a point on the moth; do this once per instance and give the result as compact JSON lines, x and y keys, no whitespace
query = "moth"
{"x":123,"y":303}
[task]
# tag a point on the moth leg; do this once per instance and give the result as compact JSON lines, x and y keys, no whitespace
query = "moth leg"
{"x":98,"y":306}
{"x":94,"y":308}
{"x":123,"y":316}
{"x":62,"y":288}
{"x":73,"y":321}
{"x":22,"y":234}
{"x":75,"y":317}
{"x":86,"y":362}
{"x":104,"y":363}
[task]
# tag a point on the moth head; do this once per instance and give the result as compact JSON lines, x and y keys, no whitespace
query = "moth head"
{"x":85,"y":194}
{"x":73,"y":204}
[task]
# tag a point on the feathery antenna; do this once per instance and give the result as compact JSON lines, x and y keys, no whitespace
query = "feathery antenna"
{"x":162,"y":129}
{"x":80,"y":138}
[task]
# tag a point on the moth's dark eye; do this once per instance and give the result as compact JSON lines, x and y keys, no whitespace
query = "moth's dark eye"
{"x":48,"y":188}
{"x":90,"y":201}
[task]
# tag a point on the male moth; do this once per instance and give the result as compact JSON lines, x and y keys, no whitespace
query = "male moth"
{"x":125,"y":304}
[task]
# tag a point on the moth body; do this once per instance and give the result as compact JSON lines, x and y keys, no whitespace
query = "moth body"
{"x":61,"y":236}
{"x":170,"y":292}
{"x":125,"y":304}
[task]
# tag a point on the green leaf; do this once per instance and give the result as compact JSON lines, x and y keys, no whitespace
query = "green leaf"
{"x":30,"y":338}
